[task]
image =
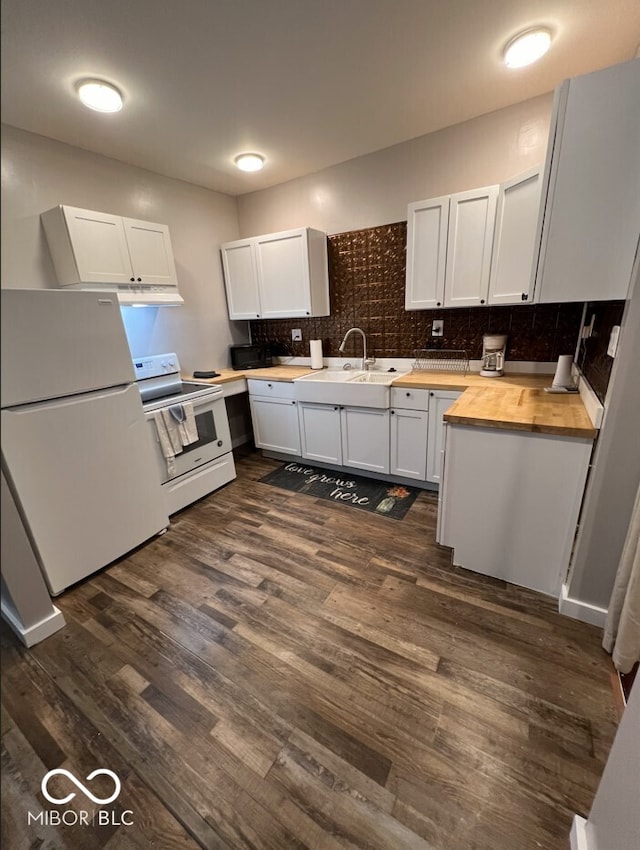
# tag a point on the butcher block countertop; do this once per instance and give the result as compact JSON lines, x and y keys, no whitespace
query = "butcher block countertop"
{"x":515,"y":402}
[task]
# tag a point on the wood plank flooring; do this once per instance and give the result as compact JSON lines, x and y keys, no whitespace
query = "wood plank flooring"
{"x":281,"y":672}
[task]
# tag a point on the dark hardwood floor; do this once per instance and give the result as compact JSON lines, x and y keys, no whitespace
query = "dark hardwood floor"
{"x":281,"y":672}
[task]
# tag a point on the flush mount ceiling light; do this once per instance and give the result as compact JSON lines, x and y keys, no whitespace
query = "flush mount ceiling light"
{"x":99,"y":95}
{"x":527,"y":47}
{"x":249,"y":161}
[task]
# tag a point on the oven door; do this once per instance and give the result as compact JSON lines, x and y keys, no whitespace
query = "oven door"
{"x":214,"y":438}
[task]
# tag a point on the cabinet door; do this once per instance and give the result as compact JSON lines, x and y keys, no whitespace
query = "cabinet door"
{"x":282,"y":260}
{"x":511,"y":280}
{"x":320,"y":432}
{"x":241,"y":279}
{"x":275,"y":424}
{"x":427,"y":225}
{"x":439,"y":402}
{"x":471,"y":222}
{"x":365,"y":438}
{"x":150,"y":252}
{"x":591,"y":216}
{"x":99,"y":246}
{"x":409,"y":431}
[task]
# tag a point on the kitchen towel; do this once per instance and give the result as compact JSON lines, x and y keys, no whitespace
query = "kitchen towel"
{"x":176,"y":427}
{"x":316,"y":354}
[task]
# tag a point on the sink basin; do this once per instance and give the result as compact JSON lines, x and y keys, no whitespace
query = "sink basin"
{"x":345,"y":387}
{"x":332,"y":375}
{"x":375,"y":378}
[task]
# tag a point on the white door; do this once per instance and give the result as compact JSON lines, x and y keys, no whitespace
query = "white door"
{"x":512,"y":274}
{"x":91,"y":489}
{"x":320,"y":432}
{"x":283,"y":273}
{"x":409,"y":431}
{"x":150,"y":252}
{"x":99,"y":246}
{"x":275,"y":424}
{"x":241,"y":279}
{"x":439,"y":402}
{"x":365,"y":438}
{"x":427,"y":225}
{"x":471,"y":221}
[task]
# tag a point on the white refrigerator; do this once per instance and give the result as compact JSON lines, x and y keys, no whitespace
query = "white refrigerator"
{"x":76,"y":450}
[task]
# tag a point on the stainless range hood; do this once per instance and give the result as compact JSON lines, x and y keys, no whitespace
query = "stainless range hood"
{"x":166,"y":296}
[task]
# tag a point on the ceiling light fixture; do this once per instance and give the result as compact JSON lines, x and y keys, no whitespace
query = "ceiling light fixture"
{"x":527,"y":47}
{"x":249,"y":161}
{"x":99,"y":95}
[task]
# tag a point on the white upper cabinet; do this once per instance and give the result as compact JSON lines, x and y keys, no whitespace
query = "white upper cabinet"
{"x":471,"y":221}
{"x":90,"y":247}
{"x":241,"y":278}
{"x":277,"y":276}
{"x":590,"y":214}
{"x":512,"y":279}
{"x":449,"y":243}
{"x":427,"y":227}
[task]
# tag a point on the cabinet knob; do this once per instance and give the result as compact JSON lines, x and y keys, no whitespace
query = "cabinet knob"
{"x":308,"y":313}
{"x":408,"y":395}
{"x":133,"y":280}
{"x":431,"y":394}
{"x":139,"y":280}
{"x":336,"y":408}
{"x":392,"y":412}
{"x":257,"y":315}
{"x":293,"y":402}
{"x":269,"y":385}
{"x":438,"y":304}
{"x":482,"y":300}
{"x":525,"y":296}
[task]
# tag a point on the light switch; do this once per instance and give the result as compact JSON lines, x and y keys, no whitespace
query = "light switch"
{"x":613,"y":341}
{"x":437,"y":328}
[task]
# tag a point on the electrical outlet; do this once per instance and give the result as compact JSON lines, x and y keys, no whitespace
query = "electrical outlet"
{"x":613,"y":341}
{"x":296,"y":335}
{"x":437,"y":328}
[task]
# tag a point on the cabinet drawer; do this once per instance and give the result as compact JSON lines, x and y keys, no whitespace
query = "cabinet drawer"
{"x":270,"y":389}
{"x":409,"y":399}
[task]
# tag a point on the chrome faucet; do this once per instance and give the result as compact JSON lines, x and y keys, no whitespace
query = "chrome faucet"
{"x":366,"y":361}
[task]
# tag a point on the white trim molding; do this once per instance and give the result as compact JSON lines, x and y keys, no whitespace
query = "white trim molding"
{"x":578,"y":610}
{"x":579,"y":840}
{"x":30,"y":635}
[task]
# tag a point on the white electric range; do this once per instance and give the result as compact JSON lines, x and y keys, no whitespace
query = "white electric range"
{"x":204,"y":465}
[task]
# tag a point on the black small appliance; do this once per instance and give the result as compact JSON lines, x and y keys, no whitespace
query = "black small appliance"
{"x":251,"y":355}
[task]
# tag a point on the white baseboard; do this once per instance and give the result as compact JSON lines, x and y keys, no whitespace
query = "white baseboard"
{"x":579,"y":840}
{"x":39,"y":631}
{"x":583,"y":611}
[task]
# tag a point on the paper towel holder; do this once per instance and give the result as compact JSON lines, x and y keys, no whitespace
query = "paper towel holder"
{"x":315,"y":349}
{"x":563,"y":381}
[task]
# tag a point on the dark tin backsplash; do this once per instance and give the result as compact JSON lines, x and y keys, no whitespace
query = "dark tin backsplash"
{"x":367,"y":282}
{"x":593,"y":358}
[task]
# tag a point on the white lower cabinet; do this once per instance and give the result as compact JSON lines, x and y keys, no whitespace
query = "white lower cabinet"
{"x":409,"y":430}
{"x":365,"y":438}
{"x":439,"y":402}
{"x":274,"y":414}
{"x":510,"y":502}
{"x":320,"y":432}
{"x":345,"y":436}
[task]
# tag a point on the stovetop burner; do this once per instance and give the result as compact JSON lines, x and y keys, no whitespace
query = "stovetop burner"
{"x":160,"y":384}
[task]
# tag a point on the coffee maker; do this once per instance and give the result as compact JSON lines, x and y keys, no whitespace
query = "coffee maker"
{"x":493,"y":351}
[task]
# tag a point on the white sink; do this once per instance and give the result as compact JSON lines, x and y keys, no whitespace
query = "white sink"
{"x":342,"y":387}
{"x":375,"y":378}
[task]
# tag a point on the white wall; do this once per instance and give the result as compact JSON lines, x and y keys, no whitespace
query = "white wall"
{"x":614,"y":821}
{"x":39,"y":173}
{"x":375,"y":189}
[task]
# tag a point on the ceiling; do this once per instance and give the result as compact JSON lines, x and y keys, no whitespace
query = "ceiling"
{"x":308,"y":83}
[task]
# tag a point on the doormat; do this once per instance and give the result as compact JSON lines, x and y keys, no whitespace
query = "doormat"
{"x":378,"y":497}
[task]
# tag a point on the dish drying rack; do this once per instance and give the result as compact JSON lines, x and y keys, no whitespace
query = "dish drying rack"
{"x":440,"y":360}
